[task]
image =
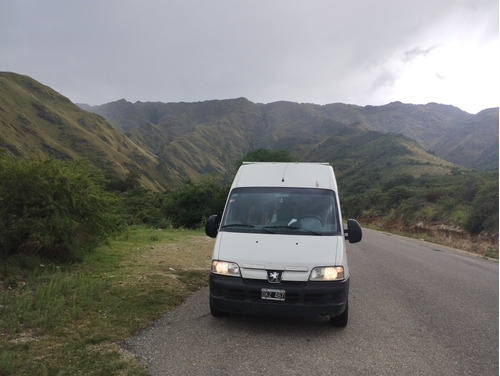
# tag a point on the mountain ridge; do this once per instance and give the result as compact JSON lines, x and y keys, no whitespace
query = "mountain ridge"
{"x":167,"y":144}
{"x":443,"y":130}
{"x":36,"y":120}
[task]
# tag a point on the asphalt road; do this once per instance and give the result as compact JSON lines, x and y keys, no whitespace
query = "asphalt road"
{"x":415,"y":308}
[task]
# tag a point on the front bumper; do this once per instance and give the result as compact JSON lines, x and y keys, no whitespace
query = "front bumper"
{"x":303,"y":299}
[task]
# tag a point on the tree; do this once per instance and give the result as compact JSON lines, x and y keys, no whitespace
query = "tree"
{"x":397,"y":194}
{"x":484,"y":212}
{"x":266,"y":155}
{"x":51,"y":207}
{"x":190,"y":204}
{"x":141,"y":206}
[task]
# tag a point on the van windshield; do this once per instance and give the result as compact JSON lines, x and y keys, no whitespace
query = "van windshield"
{"x":301,"y":211}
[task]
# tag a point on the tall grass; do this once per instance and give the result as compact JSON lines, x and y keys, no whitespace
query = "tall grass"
{"x":70,"y":319}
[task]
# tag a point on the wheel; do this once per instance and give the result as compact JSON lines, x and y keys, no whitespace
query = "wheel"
{"x":341,"y":320}
{"x":214,"y":311}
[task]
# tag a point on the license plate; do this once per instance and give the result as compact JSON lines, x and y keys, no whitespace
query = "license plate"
{"x":272,"y":294}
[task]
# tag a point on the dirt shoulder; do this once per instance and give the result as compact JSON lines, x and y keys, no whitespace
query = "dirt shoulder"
{"x":485,"y":244}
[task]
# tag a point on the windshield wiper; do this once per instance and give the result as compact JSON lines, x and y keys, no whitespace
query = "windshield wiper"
{"x":307,"y":230}
{"x":238,"y":225}
{"x":293,"y":228}
{"x":246,"y":225}
{"x":278,"y":226}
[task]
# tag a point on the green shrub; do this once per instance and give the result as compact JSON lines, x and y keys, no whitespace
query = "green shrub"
{"x":266,"y":155}
{"x":51,"y":207}
{"x":484,"y":212}
{"x":139,"y":206}
{"x":397,"y":195}
{"x":189,"y":205}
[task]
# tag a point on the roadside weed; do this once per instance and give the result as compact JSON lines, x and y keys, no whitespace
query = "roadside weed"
{"x":70,"y":319}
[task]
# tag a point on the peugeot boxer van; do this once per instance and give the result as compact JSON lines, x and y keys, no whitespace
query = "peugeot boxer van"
{"x":280,"y":244}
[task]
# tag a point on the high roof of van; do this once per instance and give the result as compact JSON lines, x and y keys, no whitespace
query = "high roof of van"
{"x":281,"y":174}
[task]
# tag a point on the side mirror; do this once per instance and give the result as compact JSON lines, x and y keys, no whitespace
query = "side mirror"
{"x":353,"y":232}
{"x":212,"y":226}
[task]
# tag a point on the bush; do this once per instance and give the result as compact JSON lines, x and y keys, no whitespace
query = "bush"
{"x":142,"y":207}
{"x":191,"y":204}
{"x":51,"y":207}
{"x":266,"y":155}
{"x":484,"y":212}
{"x":397,"y":195}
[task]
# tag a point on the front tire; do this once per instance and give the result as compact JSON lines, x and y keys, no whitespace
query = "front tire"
{"x":341,"y":320}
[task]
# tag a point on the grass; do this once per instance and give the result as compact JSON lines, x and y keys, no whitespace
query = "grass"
{"x":491,"y":252}
{"x":70,"y":319}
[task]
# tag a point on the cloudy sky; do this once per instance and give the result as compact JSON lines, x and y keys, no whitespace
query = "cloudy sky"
{"x":362,"y":52}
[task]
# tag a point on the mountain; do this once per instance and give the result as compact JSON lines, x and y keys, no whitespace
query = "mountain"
{"x":473,"y":142}
{"x":437,"y":128}
{"x":36,"y":120}
{"x":208,"y":137}
{"x":167,"y":144}
{"x":446,"y":131}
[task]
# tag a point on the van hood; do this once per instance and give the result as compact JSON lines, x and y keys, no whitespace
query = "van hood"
{"x":296,"y":255}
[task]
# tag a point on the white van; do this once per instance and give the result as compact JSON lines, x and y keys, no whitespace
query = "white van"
{"x":280,"y":247}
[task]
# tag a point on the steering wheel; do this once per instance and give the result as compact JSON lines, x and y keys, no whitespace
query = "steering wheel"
{"x":311,"y":222}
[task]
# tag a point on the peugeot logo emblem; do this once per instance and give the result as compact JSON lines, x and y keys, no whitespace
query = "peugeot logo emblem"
{"x":274,"y":276}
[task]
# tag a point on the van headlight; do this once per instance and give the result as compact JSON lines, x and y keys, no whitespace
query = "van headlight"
{"x":327,"y":273}
{"x":226,"y":268}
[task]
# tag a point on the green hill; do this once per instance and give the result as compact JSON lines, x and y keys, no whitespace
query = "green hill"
{"x":171,"y":143}
{"x":208,"y":137}
{"x":446,"y":131}
{"x":36,"y":120}
{"x":380,"y":154}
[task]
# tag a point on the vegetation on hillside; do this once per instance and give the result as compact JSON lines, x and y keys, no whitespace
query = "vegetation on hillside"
{"x":266,"y":155}
{"x":175,"y":129}
{"x":169,"y":144}
{"x":36,"y":120}
{"x":467,"y":200}
{"x":57,"y":209}
{"x":192,"y":204}
{"x":53,"y":208}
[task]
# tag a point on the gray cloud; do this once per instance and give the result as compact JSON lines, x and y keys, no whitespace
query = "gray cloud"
{"x":190,"y":50}
{"x":415,"y":53}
